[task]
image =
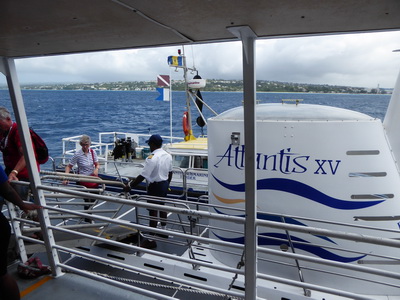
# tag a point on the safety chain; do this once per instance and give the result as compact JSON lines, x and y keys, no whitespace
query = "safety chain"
{"x":239,"y":266}
{"x":208,"y":293}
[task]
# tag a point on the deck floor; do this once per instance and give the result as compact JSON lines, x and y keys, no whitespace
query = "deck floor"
{"x":72,"y":286}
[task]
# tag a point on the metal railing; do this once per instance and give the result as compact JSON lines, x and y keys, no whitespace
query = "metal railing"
{"x":186,"y":187}
{"x":193,"y":224}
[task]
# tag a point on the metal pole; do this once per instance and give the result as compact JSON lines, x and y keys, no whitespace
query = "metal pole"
{"x":248,"y":37}
{"x":187,"y":94}
{"x":170,"y":104}
{"x":8,"y":66}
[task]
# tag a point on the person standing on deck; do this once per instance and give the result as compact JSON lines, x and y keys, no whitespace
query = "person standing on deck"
{"x":85,"y":158}
{"x":158,"y":173}
{"x":88,"y":164}
{"x":8,"y":286}
{"x":13,"y":156}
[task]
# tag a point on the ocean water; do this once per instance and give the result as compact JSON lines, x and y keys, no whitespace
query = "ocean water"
{"x":58,"y":114}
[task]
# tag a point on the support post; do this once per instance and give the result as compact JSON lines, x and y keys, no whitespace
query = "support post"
{"x":248,"y":37}
{"x":9,"y":70}
{"x":170,"y":106}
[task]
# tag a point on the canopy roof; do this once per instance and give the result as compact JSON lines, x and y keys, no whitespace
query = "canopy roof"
{"x":46,"y":27}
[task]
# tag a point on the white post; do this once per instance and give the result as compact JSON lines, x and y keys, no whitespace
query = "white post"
{"x":8,"y":67}
{"x":248,"y":38}
{"x":170,"y":104}
{"x":17,"y":231}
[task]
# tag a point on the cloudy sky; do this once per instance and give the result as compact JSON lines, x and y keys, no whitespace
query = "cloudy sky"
{"x":362,"y":60}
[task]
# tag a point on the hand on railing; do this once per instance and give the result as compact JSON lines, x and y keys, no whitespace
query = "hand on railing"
{"x":29,"y":206}
{"x":127,"y":188}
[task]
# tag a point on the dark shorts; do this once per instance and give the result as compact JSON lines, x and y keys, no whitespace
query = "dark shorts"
{"x":5,"y":234}
{"x":159,"y":189}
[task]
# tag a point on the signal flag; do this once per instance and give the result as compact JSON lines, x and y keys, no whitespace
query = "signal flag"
{"x":164,"y":94}
{"x":163,"y":81}
{"x":175,"y":61}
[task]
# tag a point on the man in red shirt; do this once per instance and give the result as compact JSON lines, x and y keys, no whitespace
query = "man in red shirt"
{"x":10,"y":145}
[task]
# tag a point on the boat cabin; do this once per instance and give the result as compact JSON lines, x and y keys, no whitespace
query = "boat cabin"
{"x":189,"y":154}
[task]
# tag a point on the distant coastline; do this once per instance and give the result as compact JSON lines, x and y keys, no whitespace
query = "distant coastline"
{"x":213,"y":85}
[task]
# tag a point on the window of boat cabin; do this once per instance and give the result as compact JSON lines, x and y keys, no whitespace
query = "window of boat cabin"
{"x":200,"y":162}
{"x":184,"y":161}
{"x":180,"y":161}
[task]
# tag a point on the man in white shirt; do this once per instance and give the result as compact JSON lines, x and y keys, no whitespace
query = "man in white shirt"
{"x":158,"y":173}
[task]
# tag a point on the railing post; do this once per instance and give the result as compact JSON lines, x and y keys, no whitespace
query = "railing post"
{"x":248,"y":37}
{"x":8,"y":66}
{"x":17,"y":231}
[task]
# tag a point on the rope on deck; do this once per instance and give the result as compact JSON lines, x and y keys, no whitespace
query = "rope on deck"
{"x":178,"y":288}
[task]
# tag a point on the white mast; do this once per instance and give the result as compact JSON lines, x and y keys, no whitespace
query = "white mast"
{"x":173,"y":62}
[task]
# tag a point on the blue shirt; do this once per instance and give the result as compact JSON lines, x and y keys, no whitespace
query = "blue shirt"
{"x":3,"y":175}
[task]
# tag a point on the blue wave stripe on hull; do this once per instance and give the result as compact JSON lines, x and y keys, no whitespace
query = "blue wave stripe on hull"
{"x":277,"y":239}
{"x":300,"y":189}
{"x":267,"y":217}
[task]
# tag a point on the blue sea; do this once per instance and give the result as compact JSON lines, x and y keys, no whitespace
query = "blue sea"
{"x":58,"y":114}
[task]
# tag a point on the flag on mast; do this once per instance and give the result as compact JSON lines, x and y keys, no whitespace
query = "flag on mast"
{"x":163,"y":81}
{"x":164,"y":94}
{"x":175,"y":61}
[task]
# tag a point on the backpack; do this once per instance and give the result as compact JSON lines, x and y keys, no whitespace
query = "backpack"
{"x":42,"y":152}
{"x":32,"y":268}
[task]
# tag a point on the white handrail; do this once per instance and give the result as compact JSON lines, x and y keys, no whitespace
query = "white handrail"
{"x":193,"y":210}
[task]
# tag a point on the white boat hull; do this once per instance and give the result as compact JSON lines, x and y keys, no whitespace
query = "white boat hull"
{"x":312,"y":162}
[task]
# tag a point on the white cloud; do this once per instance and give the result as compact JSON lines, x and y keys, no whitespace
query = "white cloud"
{"x":353,"y":59}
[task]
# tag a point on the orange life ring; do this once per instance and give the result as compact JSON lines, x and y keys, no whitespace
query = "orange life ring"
{"x":185,"y":123}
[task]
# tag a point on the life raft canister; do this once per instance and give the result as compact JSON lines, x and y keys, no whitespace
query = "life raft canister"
{"x":185,"y":123}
